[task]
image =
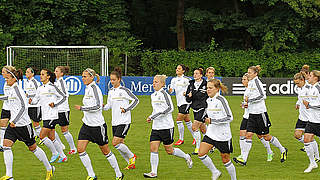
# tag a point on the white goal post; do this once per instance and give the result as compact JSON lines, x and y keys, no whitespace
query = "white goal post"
{"x":78,"y":58}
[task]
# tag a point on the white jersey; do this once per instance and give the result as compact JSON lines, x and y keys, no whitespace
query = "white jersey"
{"x":46,"y":94}
{"x":120,"y":97}
{"x":30,"y":87}
{"x":92,"y":106}
{"x":219,"y":112}
{"x":61,"y":84}
{"x":180,"y":85}
{"x":256,"y":97}
{"x":5,"y":104}
{"x":17,"y":103}
{"x":246,"y":112}
{"x":303,"y":94}
{"x":162,"y":110}
{"x":314,"y":103}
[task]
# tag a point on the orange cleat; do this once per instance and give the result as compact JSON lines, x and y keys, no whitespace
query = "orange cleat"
{"x":194,"y":142}
{"x":179,"y":142}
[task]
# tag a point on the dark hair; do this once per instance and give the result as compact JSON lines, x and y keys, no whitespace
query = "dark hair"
{"x":117,"y":72}
{"x":184,"y":67}
{"x":19,"y":74}
{"x":64,"y":69}
{"x":33,"y":69}
{"x":200,"y":69}
{"x":51,"y":74}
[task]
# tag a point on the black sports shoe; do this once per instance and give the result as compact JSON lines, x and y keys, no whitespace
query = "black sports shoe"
{"x":284,"y":155}
{"x":303,"y":149}
{"x":1,"y":148}
{"x":120,"y":178}
{"x":240,"y":161}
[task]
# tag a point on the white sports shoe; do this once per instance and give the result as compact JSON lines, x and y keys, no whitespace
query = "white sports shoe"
{"x":189,"y":161}
{"x":150,"y":175}
{"x":311,"y":166}
{"x":216,"y":175}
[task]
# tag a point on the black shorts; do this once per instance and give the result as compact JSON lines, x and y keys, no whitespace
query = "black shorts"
{"x":24,"y":134}
{"x":121,"y":130}
{"x":244,"y":123}
{"x":163,"y":135}
{"x":259,"y":123}
{"x":301,"y":125}
{"x":50,"y":124}
{"x":184,"y":109}
{"x":5,"y":114}
{"x":222,"y":146}
{"x":34,"y":113}
{"x":96,"y":134}
{"x":313,"y":128}
{"x":64,"y":118}
{"x":200,"y":115}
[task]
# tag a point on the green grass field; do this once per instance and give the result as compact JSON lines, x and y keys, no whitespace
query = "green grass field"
{"x":282,"y":115}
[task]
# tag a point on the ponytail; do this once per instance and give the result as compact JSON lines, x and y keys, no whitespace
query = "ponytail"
{"x":117,"y":72}
{"x":93,"y":73}
{"x":256,"y":69}
{"x":217,"y":84}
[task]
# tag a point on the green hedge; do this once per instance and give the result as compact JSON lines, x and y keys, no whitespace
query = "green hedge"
{"x":228,"y":63}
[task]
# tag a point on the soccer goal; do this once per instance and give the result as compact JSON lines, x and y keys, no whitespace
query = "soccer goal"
{"x":78,"y":58}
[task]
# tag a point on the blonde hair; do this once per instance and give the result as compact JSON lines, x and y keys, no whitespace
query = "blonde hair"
{"x":217,"y":84}
{"x":93,"y":73}
{"x":256,"y":69}
{"x":10,"y":68}
{"x":162,"y":78}
{"x":210,"y":68}
{"x":316,"y":73}
{"x":305,"y":68}
{"x":300,"y":75}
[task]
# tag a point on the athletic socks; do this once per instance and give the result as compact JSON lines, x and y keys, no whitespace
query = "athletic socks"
{"x":179,"y":153}
{"x":56,"y":135}
{"x":315,"y":149}
{"x":2,"y":131}
{"x":266,"y":144}
{"x":85,"y":159}
{"x":8,"y":160}
{"x":301,"y":139}
{"x":124,"y":151}
{"x":246,"y":149}
{"x":58,"y":147}
{"x":207,"y":161}
{"x":189,"y":126}
{"x":181,"y":130}
{"x":274,"y":141}
{"x":310,"y":152}
{"x":154,"y":161}
{"x":114,"y":164}
{"x":231,"y":170}
{"x":37,"y":129}
{"x":46,"y":141}
{"x":197,"y":137}
{"x":69,"y":139}
{"x":39,"y":153}
{"x":241,"y":143}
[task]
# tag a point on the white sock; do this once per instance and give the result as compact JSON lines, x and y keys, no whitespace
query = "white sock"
{"x":56,"y":135}
{"x":189,"y":126}
{"x":154,"y":161}
{"x":274,"y":141}
{"x":197,"y":137}
{"x":241,"y":143}
{"x":301,"y":139}
{"x":46,"y":141}
{"x":310,"y":152}
{"x":114,"y":164}
{"x":231,"y":170}
{"x":181,"y":129}
{"x":247,"y":148}
{"x":69,"y":139}
{"x":85,"y":159}
{"x":2,"y":131}
{"x":179,"y":153}
{"x":315,"y":149}
{"x":207,"y":161}
{"x":8,"y":160}
{"x":39,"y":153}
{"x":37,"y":129}
{"x":124,"y":151}
{"x":266,"y":145}
{"x":58,"y":147}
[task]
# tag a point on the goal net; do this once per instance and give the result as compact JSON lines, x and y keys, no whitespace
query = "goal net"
{"x":78,"y":58}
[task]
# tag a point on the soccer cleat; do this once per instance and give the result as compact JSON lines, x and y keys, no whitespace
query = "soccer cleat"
{"x":212,"y":149}
{"x":317,"y":160}
{"x":311,"y":166}
{"x":61,"y":160}
{"x":194,"y":142}
{"x":54,"y":158}
{"x":36,"y":138}
{"x":132,"y":163}
{"x":215,"y":176}
{"x":239,"y":160}
{"x":270,"y":157}
{"x":6,"y":178}
{"x":179,"y":142}
{"x":72,"y":151}
{"x":50,"y":173}
{"x":303,"y":149}
{"x":284,"y":155}
{"x":189,"y":161}
{"x":92,"y":178}
{"x":195,"y":152}
{"x":121,"y":177}
{"x":40,"y":142}
{"x":1,"y":148}
{"x":150,"y":175}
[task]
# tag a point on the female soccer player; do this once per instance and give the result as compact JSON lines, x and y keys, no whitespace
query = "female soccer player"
{"x":64,"y":110}
{"x":218,"y":132}
{"x":210,"y":72}
{"x":30,"y":86}
{"x":162,"y":127}
{"x":180,"y":84}
{"x":258,"y":121}
{"x":313,"y":126}
{"x":20,"y":127}
{"x":49,"y":98}
{"x":94,"y":128}
{"x":5,"y":112}
{"x":304,"y":116}
{"x":243,"y":126}
{"x":196,"y":95}
{"x":119,"y":101}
